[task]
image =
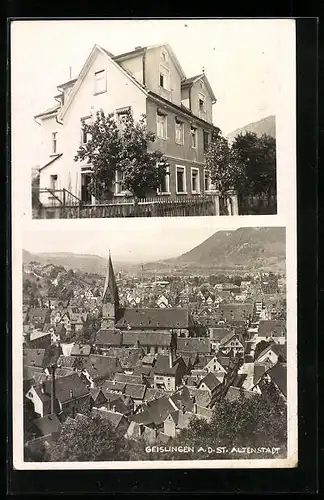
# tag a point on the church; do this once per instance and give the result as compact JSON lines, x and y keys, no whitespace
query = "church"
{"x":154,"y":329}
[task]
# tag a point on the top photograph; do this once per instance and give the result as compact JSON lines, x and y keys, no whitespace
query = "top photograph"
{"x":152,"y":118}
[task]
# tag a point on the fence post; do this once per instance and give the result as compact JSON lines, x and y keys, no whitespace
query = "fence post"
{"x":216,"y":202}
{"x":234,"y":199}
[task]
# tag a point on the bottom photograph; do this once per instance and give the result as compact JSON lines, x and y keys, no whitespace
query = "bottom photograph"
{"x":153,"y":350}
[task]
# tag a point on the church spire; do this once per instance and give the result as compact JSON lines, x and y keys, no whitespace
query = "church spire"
{"x":110,"y":291}
{"x":110,"y":299}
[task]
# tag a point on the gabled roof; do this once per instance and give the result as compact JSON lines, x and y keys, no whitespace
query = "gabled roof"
{"x":135,"y":391}
{"x":47,"y":424}
{"x":269,"y":327}
{"x":147,"y":339}
{"x":139,"y":50}
{"x":195,"y":344}
{"x":130,"y":379}
{"x":233,"y":393}
{"x":188,"y":82}
{"x":34,"y":357}
{"x":50,"y":111}
{"x":109,"y":337}
{"x":162,"y":365}
{"x":64,"y":386}
{"x":211,"y":381}
{"x":114,"y":417}
{"x":172,"y":317}
{"x":278,"y":375}
{"x":99,"y":367}
{"x":156,"y":412}
{"x":95,"y":50}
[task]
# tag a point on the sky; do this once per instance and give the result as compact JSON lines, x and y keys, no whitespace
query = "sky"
{"x":244,"y":61}
{"x":129,"y":240}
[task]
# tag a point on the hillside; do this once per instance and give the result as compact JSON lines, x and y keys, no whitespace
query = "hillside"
{"x":87,"y":263}
{"x":265,"y":126}
{"x":249,"y":248}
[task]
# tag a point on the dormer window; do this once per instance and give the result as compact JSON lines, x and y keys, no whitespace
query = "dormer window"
{"x":100,"y":82}
{"x":202,"y":103}
{"x":164,"y":78}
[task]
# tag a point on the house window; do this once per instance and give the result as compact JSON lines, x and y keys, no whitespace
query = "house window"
{"x":161,"y":121}
{"x":165,"y":184}
{"x":100,"y":82}
{"x":195,"y":185}
{"x":164,"y":56}
{"x":85,"y":135}
{"x":206,"y":140}
{"x":179,"y":128}
{"x":53,"y":180}
{"x":122,"y":115}
{"x":193,"y":132}
{"x":202,"y":104}
{"x":85,"y":183}
{"x":118,"y":183}
{"x":54,"y":142}
{"x":164,"y":78}
{"x":181,"y":180}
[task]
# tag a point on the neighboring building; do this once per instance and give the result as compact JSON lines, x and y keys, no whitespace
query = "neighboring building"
{"x":147,"y":80}
{"x":168,"y":372}
{"x":272,"y":330}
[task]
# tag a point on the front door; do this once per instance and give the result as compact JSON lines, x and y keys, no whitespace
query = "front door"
{"x":85,"y":182}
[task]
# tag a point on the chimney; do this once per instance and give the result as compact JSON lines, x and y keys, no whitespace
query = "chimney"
{"x":114,"y":408}
{"x":195,"y":408}
{"x":71,"y":394}
{"x":53,"y":389}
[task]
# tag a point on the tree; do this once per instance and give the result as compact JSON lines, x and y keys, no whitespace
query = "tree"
{"x":257,"y":157}
{"x":245,"y":422}
{"x":88,"y":438}
{"x":112,"y":149}
{"x":224,"y":173}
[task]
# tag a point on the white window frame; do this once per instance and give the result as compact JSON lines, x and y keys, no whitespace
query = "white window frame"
{"x":54,"y":142}
{"x":211,"y":187}
{"x":202,"y":97}
{"x":167,"y":183}
{"x":197,"y":191}
{"x":166,"y":125}
{"x":53,"y":186}
{"x":100,"y":84}
{"x":183,"y":169}
{"x":179,"y":122}
{"x":85,"y":121}
{"x":165,"y":72}
{"x":118,"y":179}
{"x":193,"y":134}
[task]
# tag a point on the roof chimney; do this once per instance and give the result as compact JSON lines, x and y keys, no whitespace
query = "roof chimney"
{"x":170,"y":357}
{"x":114,"y":408}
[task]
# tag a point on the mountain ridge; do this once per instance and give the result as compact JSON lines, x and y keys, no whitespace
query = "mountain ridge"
{"x":266,"y":125}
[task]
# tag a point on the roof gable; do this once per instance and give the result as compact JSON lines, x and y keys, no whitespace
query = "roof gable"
{"x":84,"y":71}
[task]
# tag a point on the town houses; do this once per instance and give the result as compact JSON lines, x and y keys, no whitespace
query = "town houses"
{"x":144,"y":81}
{"x":148,"y":370}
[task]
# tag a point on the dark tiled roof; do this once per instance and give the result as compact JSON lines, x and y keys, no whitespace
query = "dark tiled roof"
{"x":156,"y":412}
{"x":278,"y":374}
{"x":152,"y":394}
{"x":67,"y":361}
{"x":155,"y":318}
{"x":29,"y":372}
{"x":147,"y":339}
{"x":281,"y":351}
{"x":259,"y":370}
{"x":109,"y":337}
{"x":211,"y":381}
{"x":162,"y":365}
{"x":189,"y":81}
{"x":275,"y":327}
{"x":130,"y":379}
{"x":100,"y":367}
{"x":201,"y":396}
{"x":195,"y":344}
{"x":48,"y":424}
{"x":112,"y":385}
{"x":113,"y":417}
{"x":64,"y":386}
{"x":218,"y":334}
{"x":135,"y":391}
{"x":233,"y":393}
{"x":81,"y":350}
{"x":34,"y":357}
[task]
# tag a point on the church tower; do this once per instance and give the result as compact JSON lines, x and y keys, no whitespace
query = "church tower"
{"x":110,"y":299}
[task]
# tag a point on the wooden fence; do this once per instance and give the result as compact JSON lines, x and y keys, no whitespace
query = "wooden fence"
{"x":62,"y":205}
